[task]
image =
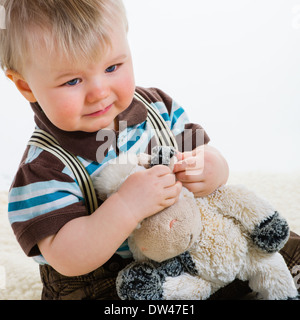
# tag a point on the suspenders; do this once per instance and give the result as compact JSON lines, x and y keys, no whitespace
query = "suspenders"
{"x":163,"y":133}
{"x":47,"y":142}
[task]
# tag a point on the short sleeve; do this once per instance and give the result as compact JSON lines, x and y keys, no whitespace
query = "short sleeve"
{"x":42,"y":199}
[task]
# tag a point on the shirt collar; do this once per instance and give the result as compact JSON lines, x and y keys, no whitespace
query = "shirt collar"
{"x":85,"y":144}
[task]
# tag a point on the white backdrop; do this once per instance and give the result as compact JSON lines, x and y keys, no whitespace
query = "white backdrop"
{"x":234,"y":65}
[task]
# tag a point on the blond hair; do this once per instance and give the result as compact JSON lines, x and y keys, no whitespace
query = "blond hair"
{"x":72,"y":28}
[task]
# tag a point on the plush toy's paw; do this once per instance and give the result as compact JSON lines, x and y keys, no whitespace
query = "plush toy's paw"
{"x":171,"y":267}
{"x":144,"y":280}
{"x":271,"y":234}
{"x":188,"y":263}
{"x":139,"y":281}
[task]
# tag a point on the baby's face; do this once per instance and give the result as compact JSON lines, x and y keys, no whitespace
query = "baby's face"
{"x":86,"y":96}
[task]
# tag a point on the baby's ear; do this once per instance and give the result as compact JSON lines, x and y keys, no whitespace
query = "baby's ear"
{"x":21,"y":85}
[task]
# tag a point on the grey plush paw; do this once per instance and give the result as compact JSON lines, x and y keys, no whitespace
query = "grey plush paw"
{"x":171,"y":268}
{"x":144,"y":280}
{"x":271,"y":234}
{"x":188,"y":263}
{"x":140,"y":281}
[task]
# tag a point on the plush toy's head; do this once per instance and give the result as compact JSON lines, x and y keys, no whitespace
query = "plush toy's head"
{"x":167,"y":233}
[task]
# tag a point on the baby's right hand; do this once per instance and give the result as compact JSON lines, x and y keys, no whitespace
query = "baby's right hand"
{"x":147,"y":192}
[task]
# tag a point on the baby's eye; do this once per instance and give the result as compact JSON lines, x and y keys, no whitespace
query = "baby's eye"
{"x":73,"y":82}
{"x":111,"y":69}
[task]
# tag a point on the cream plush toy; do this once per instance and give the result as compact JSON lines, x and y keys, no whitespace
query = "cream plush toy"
{"x":197,"y":246}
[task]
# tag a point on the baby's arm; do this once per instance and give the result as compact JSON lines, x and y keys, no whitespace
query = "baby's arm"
{"x":86,"y":243}
{"x":202,"y":170}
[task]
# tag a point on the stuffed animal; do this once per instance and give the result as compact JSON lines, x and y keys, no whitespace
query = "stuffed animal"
{"x":197,"y":246}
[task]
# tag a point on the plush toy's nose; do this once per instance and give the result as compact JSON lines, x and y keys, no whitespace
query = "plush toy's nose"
{"x":172,"y":223}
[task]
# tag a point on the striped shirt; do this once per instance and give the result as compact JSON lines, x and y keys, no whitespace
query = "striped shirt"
{"x":45,"y":195}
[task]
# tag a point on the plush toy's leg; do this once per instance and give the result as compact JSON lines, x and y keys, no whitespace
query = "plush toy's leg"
{"x":144,"y":280}
{"x":271,"y":234}
{"x":186,"y":287}
{"x":272,"y":279}
{"x":139,"y":281}
{"x":267,"y":229}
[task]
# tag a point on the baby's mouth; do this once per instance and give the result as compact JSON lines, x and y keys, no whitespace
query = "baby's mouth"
{"x":100,"y":112}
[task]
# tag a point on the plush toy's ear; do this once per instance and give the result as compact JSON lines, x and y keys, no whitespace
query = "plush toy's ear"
{"x":163,"y":155}
{"x":114,"y":173}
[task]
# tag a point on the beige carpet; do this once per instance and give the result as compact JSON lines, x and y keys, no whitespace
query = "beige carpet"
{"x":19,"y":275}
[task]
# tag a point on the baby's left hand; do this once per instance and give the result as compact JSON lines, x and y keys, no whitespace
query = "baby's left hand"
{"x":202,"y":170}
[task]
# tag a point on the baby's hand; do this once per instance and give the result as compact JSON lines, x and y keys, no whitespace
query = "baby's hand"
{"x":201,"y":171}
{"x":149,"y":191}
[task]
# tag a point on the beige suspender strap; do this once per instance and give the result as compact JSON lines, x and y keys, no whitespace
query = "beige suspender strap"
{"x":163,"y":133}
{"x":46,"y":142}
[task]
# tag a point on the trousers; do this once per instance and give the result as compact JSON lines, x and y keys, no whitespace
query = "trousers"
{"x":96,"y":285}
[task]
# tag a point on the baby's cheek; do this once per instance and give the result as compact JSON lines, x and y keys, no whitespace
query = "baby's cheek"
{"x":65,"y":117}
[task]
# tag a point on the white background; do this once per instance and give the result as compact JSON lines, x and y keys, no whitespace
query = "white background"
{"x":234,"y":65}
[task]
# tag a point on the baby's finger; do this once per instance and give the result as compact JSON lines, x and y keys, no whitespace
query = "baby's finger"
{"x":180,"y":166}
{"x":179,"y":156}
{"x":172,"y":194}
{"x":169,"y":180}
{"x":173,"y":191}
{"x":160,"y":170}
{"x":190,"y":176}
{"x":190,"y":164}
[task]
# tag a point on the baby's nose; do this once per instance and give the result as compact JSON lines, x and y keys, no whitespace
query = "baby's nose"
{"x":97,"y":92}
